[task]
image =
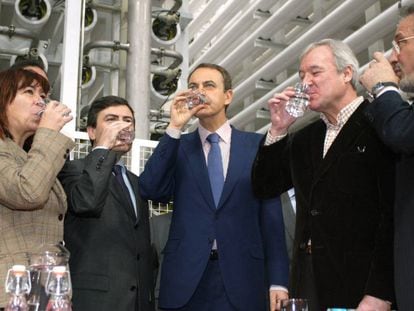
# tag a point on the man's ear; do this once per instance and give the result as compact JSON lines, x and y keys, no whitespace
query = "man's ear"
{"x":91,"y":132}
{"x":229,"y":97}
{"x":348,"y":72}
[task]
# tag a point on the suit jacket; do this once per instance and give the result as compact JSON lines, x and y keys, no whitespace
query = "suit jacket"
{"x":344,"y":204}
{"x":249,"y":232}
{"x":32,"y":201}
{"x":111,"y":257}
{"x":289,"y":220}
{"x":393,"y":120}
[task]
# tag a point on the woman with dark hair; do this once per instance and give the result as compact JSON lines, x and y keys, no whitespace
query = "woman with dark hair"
{"x":32,"y":201}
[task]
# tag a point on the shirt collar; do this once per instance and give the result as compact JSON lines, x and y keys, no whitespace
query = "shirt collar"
{"x":224,"y":132}
{"x":344,"y":114}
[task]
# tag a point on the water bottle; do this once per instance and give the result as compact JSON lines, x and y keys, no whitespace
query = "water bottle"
{"x":59,"y":289}
{"x":17,"y":286}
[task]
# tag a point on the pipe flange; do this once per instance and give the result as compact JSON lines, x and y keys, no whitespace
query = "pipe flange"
{"x":11,"y":31}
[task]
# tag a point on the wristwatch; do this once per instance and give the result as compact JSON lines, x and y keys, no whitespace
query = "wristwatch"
{"x":379,"y":86}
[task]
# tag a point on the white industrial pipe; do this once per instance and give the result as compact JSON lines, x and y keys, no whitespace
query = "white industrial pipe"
{"x":359,"y":40}
{"x":281,"y":17}
{"x":342,"y":16}
{"x":233,"y":31}
{"x":138,"y":63}
{"x":207,"y":14}
{"x":220,"y":21}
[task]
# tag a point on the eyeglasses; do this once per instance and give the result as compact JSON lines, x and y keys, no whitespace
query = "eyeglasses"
{"x":396,"y":44}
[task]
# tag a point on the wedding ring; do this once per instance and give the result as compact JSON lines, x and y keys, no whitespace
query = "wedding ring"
{"x":66,"y":114}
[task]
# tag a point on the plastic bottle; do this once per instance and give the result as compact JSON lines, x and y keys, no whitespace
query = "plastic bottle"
{"x":58,"y":286}
{"x":17,"y":286}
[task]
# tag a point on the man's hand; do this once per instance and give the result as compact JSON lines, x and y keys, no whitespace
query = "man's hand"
{"x":109,"y":135}
{"x":379,"y":70}
{"x":281,"y":120}
{"x":370,"y":303}
{"x":276,"y":296}
{"x":180,"y":113}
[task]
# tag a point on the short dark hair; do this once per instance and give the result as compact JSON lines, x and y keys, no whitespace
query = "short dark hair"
{"x":28,"y":62}
{"x":102,"y":103}
{"x":11,"y":81}
{"x":224,"y":73}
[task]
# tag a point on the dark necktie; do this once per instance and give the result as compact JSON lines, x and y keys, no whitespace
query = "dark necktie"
{"x":215,"y":167}
{"x":117,"y":169}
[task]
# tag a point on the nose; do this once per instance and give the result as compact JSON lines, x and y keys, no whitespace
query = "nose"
{"x":393,"y":58}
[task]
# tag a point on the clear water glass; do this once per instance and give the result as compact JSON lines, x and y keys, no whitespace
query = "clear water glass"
{"x":297,"y":105}
{"x":294,"y":304}
{"x":43,"y":102}
{"x":126,"y":136}
{"x":195,"y":98}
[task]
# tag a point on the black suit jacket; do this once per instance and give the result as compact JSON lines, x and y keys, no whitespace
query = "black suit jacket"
{"x":111,"y":255}
{"x":393,"y":118}
{"x":344,"y":204}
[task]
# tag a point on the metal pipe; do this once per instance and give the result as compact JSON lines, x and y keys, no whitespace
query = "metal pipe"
{"x":169,"y":53}
{"x":281,"y":17}
{"x":220,"y":21}
{"x":138,"y":64}
{"x":12,"y":31}
{"x":204,"y":16}
{"x":359,"y":40}
{"x":342,"y":16}
{"x":177,"y":5}
{"x":99,"y":6}
{"x":21,"y":52}
{"x":235,"y":30}
{"x":114,"y":45}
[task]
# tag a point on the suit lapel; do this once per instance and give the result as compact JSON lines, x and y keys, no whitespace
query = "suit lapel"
{"x":193,"y":151}
{"x":241,"y":150}
{"x":122,"y":197}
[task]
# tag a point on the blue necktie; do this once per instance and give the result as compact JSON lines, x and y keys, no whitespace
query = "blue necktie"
{"x":215,"y":167}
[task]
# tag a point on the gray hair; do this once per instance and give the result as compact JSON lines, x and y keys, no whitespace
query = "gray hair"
{"x":343,"y":56}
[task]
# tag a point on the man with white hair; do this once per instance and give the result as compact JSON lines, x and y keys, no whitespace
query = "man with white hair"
{"x":343,"y":179}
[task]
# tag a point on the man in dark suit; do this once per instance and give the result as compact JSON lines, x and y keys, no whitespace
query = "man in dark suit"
{"x":107,"y":223}
{"x":393,"y":119}
{"x":343,"y":178}
{"x":225,"y":247}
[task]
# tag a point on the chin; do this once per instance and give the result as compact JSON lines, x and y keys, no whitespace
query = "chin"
{"x":123,"y":148}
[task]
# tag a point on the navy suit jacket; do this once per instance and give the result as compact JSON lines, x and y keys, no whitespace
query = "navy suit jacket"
{"x":249,"y":231}
{"x":393,"y":119}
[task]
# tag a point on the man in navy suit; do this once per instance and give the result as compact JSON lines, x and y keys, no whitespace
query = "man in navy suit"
{"x":226,"y":249}
{"x":393,"y":119}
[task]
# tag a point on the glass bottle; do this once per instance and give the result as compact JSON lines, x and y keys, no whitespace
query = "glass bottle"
{"x":59,"y":288}
{"x":17,"y":286}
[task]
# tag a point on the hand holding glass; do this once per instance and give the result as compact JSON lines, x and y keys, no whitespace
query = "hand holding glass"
{"x":297,"y":104}
{"x":294,"y":304}
{"x":126,"y":136}
{"x":195,"y":98}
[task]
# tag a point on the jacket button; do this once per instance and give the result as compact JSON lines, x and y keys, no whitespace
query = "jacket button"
{"x":138,"y":256}
{"x":60,"y":217}
{"x":132,"y":288}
